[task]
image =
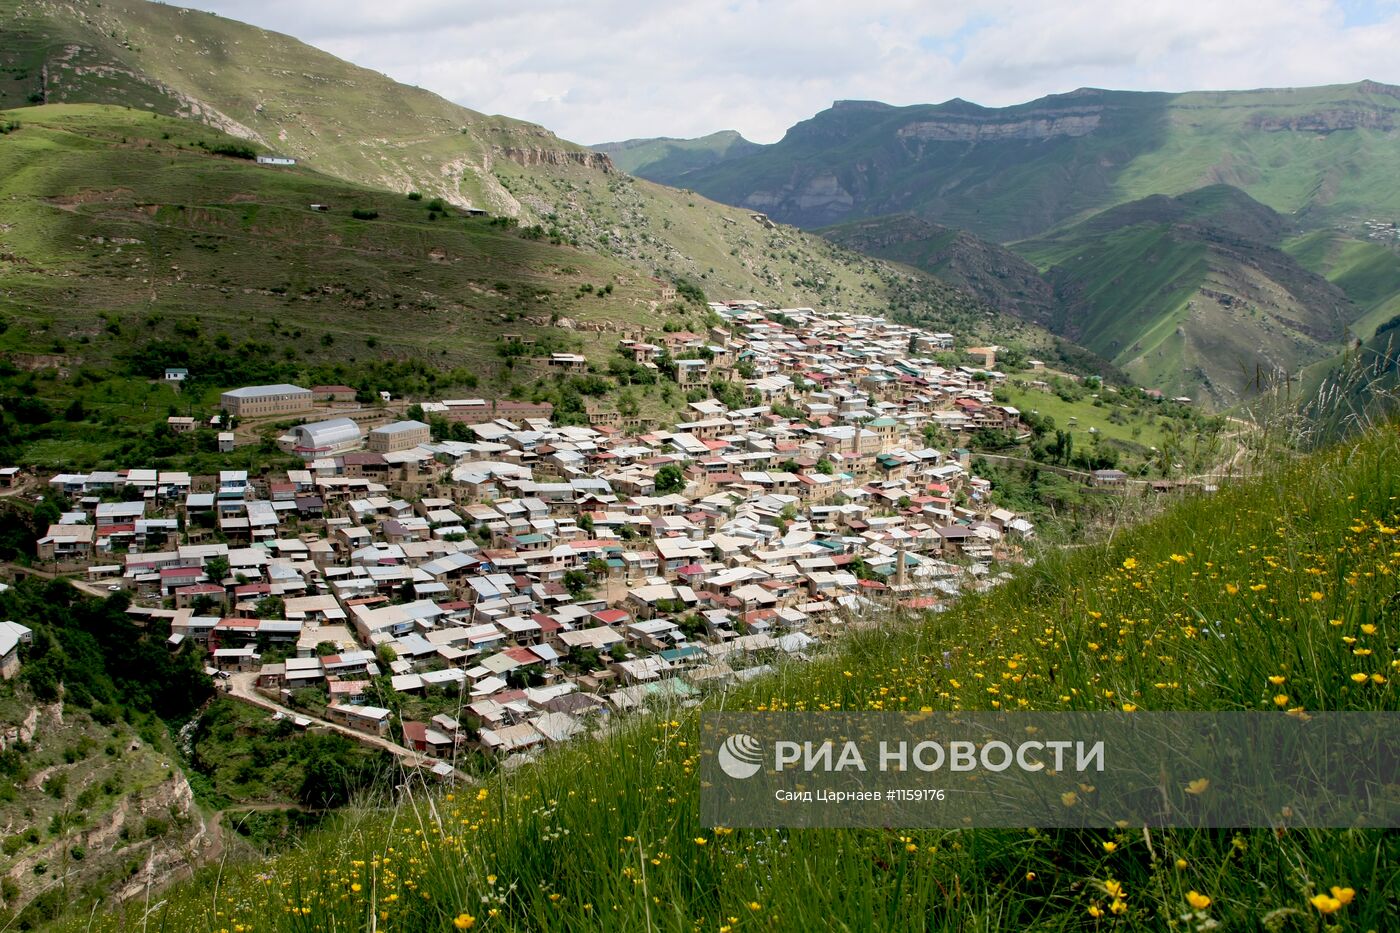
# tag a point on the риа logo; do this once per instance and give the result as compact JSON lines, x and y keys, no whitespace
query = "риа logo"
{"x":741,"y":756}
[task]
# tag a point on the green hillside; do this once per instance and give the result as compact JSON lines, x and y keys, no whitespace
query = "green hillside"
{"x":132,"y":242}
{"x":668,"y":160}
{"x":1189,"y":294}
{"x":1326,"y":154}
{"x":266,"y":87}
{"x":1367,"y":270}
{"x":360,"y":126}
{"x":1270,"y":595}
{"x":984,"y":269}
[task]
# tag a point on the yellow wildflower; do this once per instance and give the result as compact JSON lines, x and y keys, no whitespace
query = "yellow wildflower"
{"x":1325,"y":904}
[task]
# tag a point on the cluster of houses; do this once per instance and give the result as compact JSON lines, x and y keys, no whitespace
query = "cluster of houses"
{"x":516,"y":588}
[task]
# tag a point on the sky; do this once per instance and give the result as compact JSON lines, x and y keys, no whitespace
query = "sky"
{"x":603,"y":70}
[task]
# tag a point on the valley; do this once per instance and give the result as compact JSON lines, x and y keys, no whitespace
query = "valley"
{"x":391,"y":491}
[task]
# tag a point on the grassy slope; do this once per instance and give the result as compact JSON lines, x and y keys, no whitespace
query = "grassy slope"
{"x":1368,"y":272}
{"x":1014,"y":188}
{"x":360,"y":126}
{"x":122,"y":227}
{"x":265,"y":86}
{"x":987,"y":270}
{"x":1294,"y":569}
{"x":668,"y":160}
{"x":1188,"y":294}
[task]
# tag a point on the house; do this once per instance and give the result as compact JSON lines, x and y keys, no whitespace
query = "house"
{"x":1109,"y":478}
{"x":12,"y":635}
{"x":275,"y":160}
{"x":67,"y":543}
{"x":176,"y":374}
{"x":400,"y":435}
{"x":422,"y":737}
{"x":371,"y":720}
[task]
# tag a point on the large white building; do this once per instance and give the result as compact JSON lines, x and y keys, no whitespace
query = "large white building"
{"x":281,"y":399}
{"x":323,"y":438}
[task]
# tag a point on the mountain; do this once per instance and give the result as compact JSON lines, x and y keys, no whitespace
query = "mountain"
{"x":668,"y":161}
{"x":1190,"y":293}
{"x":987,"y":270}
{"x":268,"y":88}
{"x":357,"y":125}
{"x":1326,"y":154}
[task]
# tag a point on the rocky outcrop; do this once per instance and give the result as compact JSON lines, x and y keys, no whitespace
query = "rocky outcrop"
{"x":1326,"y":121}
{"x":538,"y":155}
{"x":1079,"y":121}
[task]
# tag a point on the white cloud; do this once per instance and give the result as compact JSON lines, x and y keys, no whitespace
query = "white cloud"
{"x":615,"y":69}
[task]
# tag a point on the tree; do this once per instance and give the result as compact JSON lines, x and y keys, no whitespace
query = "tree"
{"x":577,"y":582}
{"x":217,"y":569}
{"x":669,"y":479}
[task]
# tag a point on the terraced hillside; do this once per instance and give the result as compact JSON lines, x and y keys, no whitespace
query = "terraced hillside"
{"x":362,"y":127}
{"x":268,"y":88}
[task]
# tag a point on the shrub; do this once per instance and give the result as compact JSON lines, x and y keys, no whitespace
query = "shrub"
{"x":234,"y":151}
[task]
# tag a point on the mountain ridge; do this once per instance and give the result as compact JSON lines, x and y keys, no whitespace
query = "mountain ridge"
{"x":1009,"y":173}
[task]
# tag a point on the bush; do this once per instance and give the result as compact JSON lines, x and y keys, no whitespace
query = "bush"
{"x":362,"y":214}
{"x":234,"y":151}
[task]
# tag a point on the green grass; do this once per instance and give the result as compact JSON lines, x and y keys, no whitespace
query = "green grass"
{"x":360,"y":127}
{"x":1134,"y":426}
{"x":1189,"y":294}
{"x":1295,"y":568}
{"x":1369,"y":272}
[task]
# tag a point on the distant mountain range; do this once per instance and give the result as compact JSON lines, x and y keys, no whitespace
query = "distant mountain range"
{"x":1008,"y":173}
{"x":1205,"y":242}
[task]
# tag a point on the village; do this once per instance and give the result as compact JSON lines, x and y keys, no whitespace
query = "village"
{"x":504,"y":593}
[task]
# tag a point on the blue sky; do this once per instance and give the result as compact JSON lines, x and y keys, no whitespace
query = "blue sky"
{"x":615,"y":69}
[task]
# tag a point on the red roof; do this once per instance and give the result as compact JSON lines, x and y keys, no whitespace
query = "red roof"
{"x":612,"y":616}
{"x":522,"y":655}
